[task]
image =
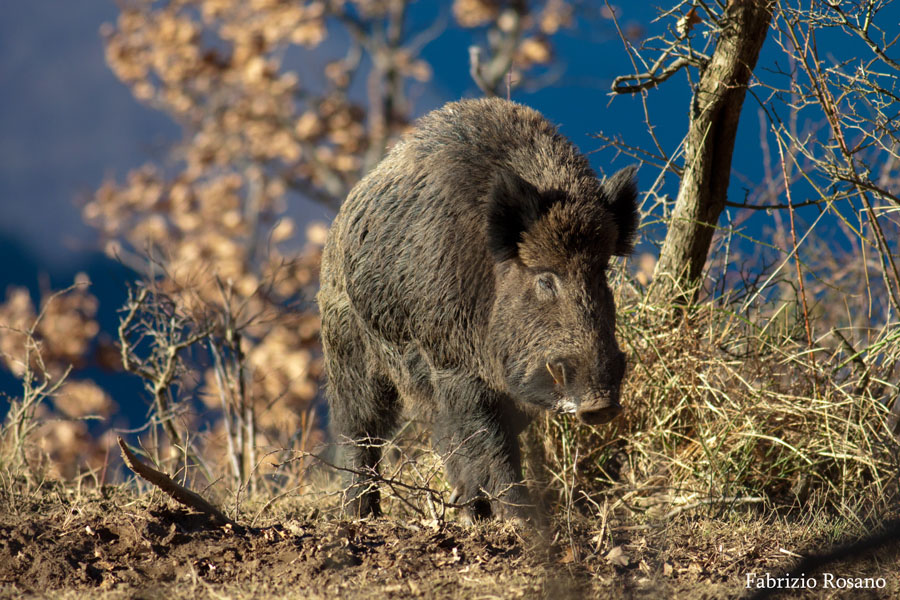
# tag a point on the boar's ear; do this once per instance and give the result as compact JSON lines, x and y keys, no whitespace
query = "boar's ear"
{"x":513,"y":205}
{"x":620,"y":191}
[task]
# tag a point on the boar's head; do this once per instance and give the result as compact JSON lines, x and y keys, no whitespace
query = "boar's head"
{"x":552,"y":324}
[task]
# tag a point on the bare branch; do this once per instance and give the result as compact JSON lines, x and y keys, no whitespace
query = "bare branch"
{"x":178,"y":492}
{"x":649,"y":79}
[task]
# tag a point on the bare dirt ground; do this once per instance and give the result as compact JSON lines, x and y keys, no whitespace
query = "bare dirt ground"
{"x":115,"y":543}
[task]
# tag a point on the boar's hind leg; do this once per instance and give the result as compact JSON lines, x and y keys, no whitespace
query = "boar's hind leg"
{"x":364,"y":413}
{"x":365,"y":416}
{"x":478,"y":442}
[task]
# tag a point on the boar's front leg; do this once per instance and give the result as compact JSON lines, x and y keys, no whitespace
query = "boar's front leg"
{"x":475,"y":431}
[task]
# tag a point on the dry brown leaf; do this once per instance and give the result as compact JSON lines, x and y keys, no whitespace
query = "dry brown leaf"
{"x":686,"y":23}
{"x":617,"y":557}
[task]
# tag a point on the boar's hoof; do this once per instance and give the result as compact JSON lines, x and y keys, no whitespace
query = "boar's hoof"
{"x":362,"y":503}
{"x":597,"y":412}
{"x":475,"y":508}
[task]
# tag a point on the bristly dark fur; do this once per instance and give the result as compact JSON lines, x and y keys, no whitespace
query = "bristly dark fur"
{"x":469,"y":259}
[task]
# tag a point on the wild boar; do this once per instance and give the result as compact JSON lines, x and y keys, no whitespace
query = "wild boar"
{"x":466,"y":274}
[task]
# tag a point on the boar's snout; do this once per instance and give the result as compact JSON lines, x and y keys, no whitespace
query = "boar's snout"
{"x":600,"y":402}
{"x":599,"y":410}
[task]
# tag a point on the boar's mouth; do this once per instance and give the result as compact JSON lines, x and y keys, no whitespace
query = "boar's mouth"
{"x":594,"y":410}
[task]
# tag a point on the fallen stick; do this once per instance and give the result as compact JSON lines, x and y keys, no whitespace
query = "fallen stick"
{"x":178,"y":492}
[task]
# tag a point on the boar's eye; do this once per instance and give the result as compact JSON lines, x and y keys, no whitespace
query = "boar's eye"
{"x":546,"y":286}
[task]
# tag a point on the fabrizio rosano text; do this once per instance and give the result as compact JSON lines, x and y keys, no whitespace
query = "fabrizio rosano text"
{"x":822,"y":580}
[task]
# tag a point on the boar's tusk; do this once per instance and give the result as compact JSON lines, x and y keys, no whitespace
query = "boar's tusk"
{"x":555,"y":374}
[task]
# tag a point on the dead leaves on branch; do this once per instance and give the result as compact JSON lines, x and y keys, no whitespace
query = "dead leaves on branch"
{"x":61,"y":336}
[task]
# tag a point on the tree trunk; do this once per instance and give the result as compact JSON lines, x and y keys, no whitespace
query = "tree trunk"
{"x":715,"y":110}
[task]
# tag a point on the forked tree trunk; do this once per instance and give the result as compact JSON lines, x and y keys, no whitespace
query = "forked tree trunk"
{"x":715,"y":110}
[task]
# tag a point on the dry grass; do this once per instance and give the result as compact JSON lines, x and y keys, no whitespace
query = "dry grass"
{"x":723,"y":411}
